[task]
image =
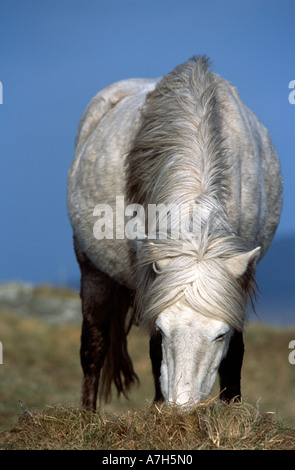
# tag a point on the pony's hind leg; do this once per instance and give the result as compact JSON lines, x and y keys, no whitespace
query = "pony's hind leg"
{"x":94,"y":346}
{"x":103,"y":349}
{"x":95,"y":292}
{"x":230,"y":369}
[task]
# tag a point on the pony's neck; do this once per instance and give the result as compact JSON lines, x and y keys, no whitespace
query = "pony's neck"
{"x":178,"y":153}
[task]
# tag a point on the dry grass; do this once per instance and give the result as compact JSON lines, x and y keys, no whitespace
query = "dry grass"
{"x":41,"y":367}
{"x":207,"y":427}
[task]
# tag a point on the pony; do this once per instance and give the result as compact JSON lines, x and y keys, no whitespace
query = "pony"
{"x":184,"y":142}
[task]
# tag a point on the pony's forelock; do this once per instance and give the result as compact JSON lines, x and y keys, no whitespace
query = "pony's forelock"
{"x":199,"y":278}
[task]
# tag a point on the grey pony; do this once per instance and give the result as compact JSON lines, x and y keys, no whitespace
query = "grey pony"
{"x":184,"y":137}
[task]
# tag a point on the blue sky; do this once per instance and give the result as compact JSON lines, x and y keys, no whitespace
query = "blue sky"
{"x":56,"y":54}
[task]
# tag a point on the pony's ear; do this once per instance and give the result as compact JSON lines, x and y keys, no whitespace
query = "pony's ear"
{"x":238,"y":265}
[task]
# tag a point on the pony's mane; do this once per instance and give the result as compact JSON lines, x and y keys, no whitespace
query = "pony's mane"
{"x":178,"y":153}
{"x":194,"y":270}
{"x":178,"y":156}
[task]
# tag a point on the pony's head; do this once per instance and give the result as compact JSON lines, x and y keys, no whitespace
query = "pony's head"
{"x":195,"y":304}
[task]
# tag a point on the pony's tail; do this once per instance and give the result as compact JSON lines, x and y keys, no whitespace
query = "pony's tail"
{"x":118,"y":368}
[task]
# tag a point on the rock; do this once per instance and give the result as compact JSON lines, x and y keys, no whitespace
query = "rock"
{"x":54,"y":305}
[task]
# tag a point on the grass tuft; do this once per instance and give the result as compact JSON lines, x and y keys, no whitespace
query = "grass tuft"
{"x":208,"y":426}
{"x":41,"y":366}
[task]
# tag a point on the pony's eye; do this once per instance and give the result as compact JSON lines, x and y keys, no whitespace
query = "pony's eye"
{"x":156,"y":268}
{"x":220,"y":337}
{"x":158,"y":330}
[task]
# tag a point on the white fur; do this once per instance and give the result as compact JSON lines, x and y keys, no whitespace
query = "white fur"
{"x":187,"y":138}
{"x":192,"y":348}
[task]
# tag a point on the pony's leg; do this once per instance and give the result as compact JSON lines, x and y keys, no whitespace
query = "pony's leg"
{"x":95,"y":293}
{"x":230,"y":369}
{"x":105,"y":305}
{"x":156,"y":359}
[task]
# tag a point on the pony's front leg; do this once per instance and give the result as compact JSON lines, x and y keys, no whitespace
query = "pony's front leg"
{"x":230,"y":369}
{"x":156,"y":359}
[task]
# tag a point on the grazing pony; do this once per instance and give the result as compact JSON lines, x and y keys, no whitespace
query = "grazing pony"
{"x":152,"y":156}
